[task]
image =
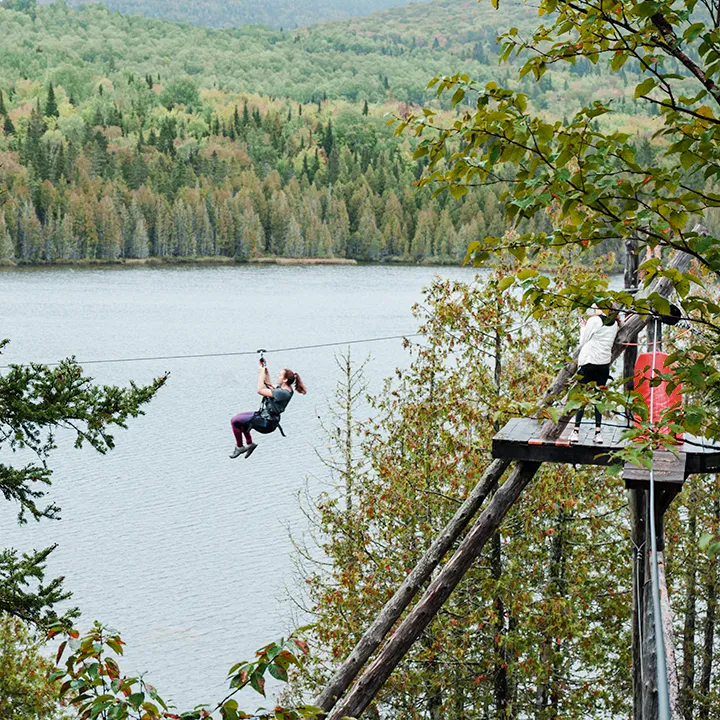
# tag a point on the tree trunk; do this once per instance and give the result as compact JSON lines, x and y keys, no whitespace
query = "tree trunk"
{"x":669,"y":640}
{"x":690,"y":623}
{"x":548,"y":695}
{"x":500,"y":674}
{"x":349,"y":469}
{"x":711,"y":590}
{"x":500,"y":685}
{"x":638,"y":515}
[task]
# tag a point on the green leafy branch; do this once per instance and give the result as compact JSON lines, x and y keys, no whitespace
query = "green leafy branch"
{"x":92,"y":683}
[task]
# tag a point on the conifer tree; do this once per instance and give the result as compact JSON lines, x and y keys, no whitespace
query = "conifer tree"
{"x":8,"y":127}
{"x":7,"y":246}
{"x":51,"y":107}
{"x":333,"y":166}
{"x":366,"y":109}
{"x":294,"y":241}
{"x":328,"y":139}
{"x":3,"y":110}
{"x":35,"y":401}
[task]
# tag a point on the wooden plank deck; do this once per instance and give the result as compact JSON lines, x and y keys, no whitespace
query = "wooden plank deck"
{"x":519,"y":440}
{"x":667,"y":469}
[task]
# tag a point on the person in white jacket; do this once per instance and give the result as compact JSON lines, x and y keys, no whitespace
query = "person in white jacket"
{"x":597,"y":336}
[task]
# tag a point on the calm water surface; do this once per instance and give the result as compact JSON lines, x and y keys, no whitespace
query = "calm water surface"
{"x":183,"y":550}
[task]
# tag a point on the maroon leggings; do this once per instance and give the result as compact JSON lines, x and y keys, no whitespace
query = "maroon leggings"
{"x":241,"y":424}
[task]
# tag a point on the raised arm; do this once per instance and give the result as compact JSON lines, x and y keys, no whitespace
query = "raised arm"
{"x":264,"y":387}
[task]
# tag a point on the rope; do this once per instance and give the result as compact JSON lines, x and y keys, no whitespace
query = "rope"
{"x":227,"y":354}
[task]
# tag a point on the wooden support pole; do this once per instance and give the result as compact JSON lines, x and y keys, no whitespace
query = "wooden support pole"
{"x":419,"y":576}
{"x":649,"y":704}
{"x":663,"y":497}
{"x":435,"y":596}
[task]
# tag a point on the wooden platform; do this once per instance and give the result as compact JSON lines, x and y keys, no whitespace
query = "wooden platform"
{"x":667,"y":470}
{"x":519,"y":440}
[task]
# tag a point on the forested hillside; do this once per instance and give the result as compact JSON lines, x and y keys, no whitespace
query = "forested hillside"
{"x":124,"y":137}
{"x":388,"y":56}
{"x":234,"y":13}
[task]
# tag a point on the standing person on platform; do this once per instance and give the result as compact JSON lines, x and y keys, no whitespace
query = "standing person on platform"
{"x":597,"y":336}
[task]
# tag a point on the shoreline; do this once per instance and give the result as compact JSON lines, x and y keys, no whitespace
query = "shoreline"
{"x":212,"y":261}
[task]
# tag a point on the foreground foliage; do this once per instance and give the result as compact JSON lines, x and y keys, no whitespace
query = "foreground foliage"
{"x":599,"y":189}
{"x":539,"y":627}
{"x":25,"y":691}
{"x":36,"y":404}
{"x":92,"y":683}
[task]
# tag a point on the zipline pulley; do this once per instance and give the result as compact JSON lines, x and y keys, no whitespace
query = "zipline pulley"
{"x":262,"y":352}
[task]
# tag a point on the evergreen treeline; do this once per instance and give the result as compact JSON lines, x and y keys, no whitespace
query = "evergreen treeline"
{"x":243,"y":182}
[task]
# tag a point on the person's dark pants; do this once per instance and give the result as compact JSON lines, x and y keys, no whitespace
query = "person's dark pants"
{"x":241,"y":426}
{"x":598,"y":374}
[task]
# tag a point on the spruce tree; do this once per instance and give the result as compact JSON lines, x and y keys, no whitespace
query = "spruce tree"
{"x":8,"y":127}
{"x":51,"y":108}
{"x":236,"y":120}
{"x":315,"y":166}
{"x":3,"y":110}
{"x":333,"y":167}
{"x":365,"y":109}
{"x":328,"y":139}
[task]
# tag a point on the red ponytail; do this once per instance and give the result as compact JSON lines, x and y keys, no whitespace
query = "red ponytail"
{"x":293,"y":378}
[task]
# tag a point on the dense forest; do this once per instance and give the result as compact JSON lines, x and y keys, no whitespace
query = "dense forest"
{"x":124,"y":137}
{"x":234,"y":13}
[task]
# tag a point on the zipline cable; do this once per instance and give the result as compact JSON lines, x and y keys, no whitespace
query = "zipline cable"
{"x":224,"y":354}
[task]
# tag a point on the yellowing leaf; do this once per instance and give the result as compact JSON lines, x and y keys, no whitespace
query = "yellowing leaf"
{"x":705,"y":111}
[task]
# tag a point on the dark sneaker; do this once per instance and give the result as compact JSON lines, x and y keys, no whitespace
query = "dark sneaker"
{"x":250,"y":449}
{"x":237,"y":452}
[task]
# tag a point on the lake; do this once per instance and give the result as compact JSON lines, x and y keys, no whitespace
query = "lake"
{"x":187,"y":552}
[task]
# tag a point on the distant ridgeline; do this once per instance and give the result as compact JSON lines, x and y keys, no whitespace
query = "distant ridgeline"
{"x":234,"y":13}
{"x":124,"y":137}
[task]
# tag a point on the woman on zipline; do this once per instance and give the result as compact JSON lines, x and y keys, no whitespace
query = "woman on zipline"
{"x":267,"y":418}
